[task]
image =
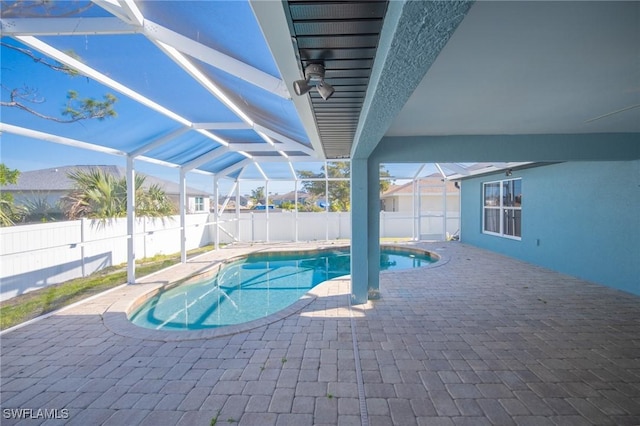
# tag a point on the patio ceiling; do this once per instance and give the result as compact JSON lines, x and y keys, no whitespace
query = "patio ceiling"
{"x":532,"y":67}
{"x":343,"y":37}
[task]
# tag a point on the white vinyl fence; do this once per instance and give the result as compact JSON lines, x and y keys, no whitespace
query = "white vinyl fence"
{"x":35,"y":256}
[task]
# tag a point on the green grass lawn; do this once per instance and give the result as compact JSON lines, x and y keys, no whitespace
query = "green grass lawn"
{"x":39,"y":302}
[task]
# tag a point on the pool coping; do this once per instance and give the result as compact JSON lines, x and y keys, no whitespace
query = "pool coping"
{"x":116,"y":316}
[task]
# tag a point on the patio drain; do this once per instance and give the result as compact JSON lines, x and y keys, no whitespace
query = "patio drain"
{"x":364,"y":416}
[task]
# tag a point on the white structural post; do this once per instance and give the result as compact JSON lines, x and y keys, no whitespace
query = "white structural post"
{"x":266,"y":205}
{"x":237,"y":210}
{"x":416,"y":205}
{"x":444,"y":194}
{"x":415,"y":211}
{"x":183,"y":216}
{"x":419,"y":212}
{"x":131,"y":221}
{"x":82,"y":251}
{"x":326,"y":202}
{"x":444,"y":201}
{"x":295,"y":197}
{"x":216,"y":211}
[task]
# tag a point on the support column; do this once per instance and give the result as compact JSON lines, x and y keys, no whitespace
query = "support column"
{"x":295,"y":203}
{"x":373,"y":228}
{"x":266,"y":205}
{"x":183,"y":216}
{"x":216,"y":212}
{"x":414,"y":207}
{"x":365,"y":231}
{"x":359,"y":236}
{"x":237,"y":210}
{"x":444,"y":196}
{"x":326,"y":202}
{"x":131,"y":222}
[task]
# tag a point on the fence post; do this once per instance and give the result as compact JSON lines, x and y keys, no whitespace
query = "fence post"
{"x":252,"y":228}
{"x":82,"y":239}
{"x":144,"y":237}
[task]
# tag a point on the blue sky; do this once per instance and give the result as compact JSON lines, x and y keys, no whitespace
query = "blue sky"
{"x":136,"y":62}
{"x":24,"y":153}
{"x":50,"y":89}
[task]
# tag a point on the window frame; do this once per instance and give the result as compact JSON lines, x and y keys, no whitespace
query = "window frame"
{"x":501,"y":207}
{"x":198,"y":204}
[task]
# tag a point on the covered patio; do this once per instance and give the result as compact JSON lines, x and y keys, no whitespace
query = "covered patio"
{"x":220,"y":88}
{"x":480,"y":339}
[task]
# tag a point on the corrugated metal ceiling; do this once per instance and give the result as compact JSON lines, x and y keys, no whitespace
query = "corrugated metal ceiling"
{"x":343,"y":36}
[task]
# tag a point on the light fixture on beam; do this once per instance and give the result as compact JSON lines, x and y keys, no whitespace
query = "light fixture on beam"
{"x":301,"y":87}
{"x":314,"y":76}
{"x":325,"y":90}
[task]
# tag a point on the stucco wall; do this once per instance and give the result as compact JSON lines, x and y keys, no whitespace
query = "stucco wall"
{"x":432,"y":202}
{"x":579,"y":218}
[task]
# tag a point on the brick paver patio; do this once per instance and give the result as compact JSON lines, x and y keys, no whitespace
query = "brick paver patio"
{"x":481,"y":339}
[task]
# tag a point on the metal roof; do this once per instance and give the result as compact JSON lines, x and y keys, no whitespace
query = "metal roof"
{"x":343,"y":37}
{"x":57,"y":179}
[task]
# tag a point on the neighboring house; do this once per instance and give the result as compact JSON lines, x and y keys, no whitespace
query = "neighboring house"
{"x":53,"y":184}
{"x":231,"y":203}
{"x":432,"y":189}
{"x":289,"y":197}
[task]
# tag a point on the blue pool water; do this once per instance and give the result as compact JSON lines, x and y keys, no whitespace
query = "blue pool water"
{"x":254,"y":287}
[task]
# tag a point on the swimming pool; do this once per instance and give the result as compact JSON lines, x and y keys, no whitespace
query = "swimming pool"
{"x":256,"y":286}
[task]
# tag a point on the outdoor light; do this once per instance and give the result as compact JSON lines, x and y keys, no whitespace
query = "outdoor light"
{"x":301,"y":87}
{"x":325,"y":90}
{"x":314,"y":76}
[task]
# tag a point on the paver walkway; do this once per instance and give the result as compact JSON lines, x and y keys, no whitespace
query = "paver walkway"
{"x":480,"y":340}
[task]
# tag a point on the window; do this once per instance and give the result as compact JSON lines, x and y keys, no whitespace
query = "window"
{"x":199,"y":204}
{"x":502,"y":208}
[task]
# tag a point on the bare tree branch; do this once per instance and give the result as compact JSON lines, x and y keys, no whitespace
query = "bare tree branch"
{"x":42,"y":8}
{"x":76,"y":109}
{"x":54,"y":66}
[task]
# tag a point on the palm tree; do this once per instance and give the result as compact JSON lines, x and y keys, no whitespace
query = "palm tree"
{"x":9,"y":212}
{"x":100,"y":195}
{"x":154,"y":202}
{"x":39,"y":209}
